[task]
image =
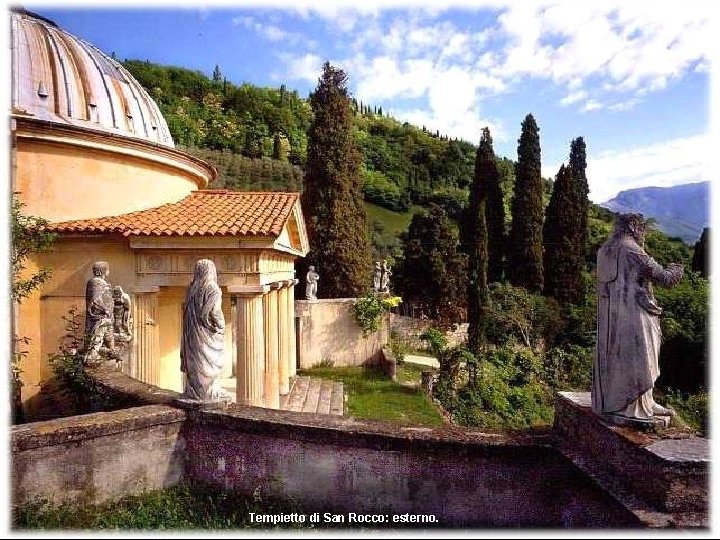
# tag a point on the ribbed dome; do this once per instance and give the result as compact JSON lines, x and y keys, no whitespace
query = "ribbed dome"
{"x":58,"y":77}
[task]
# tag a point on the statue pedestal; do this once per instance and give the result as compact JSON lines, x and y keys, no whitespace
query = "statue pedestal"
{"x":661,"y":475}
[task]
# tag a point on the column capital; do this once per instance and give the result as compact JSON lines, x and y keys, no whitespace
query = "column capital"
{"x":247,"y":290}
{"x":277,"y":285}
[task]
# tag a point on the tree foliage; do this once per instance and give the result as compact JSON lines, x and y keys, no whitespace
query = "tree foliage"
{"x":474,"y":231}
{"x":525,"y":250}
{"x":700,"y":254}
{"x":578,"y":165}
{"x":563,"y":256}
{"x":332,"y":200}
{"x":29,"y":236}
{"x":432,"y":271}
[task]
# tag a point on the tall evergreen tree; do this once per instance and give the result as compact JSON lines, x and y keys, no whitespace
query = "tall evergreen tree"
{"x":700,"y":254}
{"x":432,"y":271}
{"x":494,"y":214}
{"x":525,"y":249}
{"x":578,"y":164}
{"x":217,"y":74}
{"x":563,"y":256}
{"x":332,"y":200}
{"x":474,"y":232}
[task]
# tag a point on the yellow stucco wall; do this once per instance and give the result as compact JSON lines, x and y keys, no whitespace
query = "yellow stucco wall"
{"x":40,"y":317}
{"x":60,"y":183}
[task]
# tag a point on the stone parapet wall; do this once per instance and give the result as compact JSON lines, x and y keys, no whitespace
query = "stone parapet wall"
{"x":97,"y":457}
{"x":667,"y":468}
{"x":464,"y":477}
{"x":341,"y":465}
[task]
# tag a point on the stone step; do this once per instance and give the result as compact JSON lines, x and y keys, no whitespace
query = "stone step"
{"x":313,"y":396}
{"x":326,"y":390}
{"x":298,"y":394}
{"x":337,"y":400}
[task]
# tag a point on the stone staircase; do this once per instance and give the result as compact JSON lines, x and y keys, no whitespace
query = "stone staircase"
{"x":308,"y":394}
{"x":319,"y":396}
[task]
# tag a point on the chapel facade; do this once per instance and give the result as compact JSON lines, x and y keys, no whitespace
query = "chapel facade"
{"x":92,"y":154}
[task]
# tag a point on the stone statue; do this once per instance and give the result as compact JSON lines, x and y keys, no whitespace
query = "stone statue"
{"x":625,"y":365}
{"x":377,"y":276}
{"x":99,"y":308}
{"x":122,"y":316}
{"x":385,"y":278}
{"x":312,"y":279}
{"x":202,"y":347}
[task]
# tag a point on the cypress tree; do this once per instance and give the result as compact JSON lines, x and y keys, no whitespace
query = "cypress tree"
{"x":494,"y":215}
{"x":700,"y":254}
{"x":578,"y":164}
{"x":217,"y":74}
{"x":332,"y":200}
{"x":563,"y":256}
{"x":525,"y":249}
{"x":475,"y":236}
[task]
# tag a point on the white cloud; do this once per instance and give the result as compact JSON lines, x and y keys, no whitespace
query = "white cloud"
{"x":304,"y":67}
{"x":669,"y":163}
{"x":270,"y":32}
{"x":465,"y":126}
{"x":573,"y":97}
{"x":591,"y":105}
{"x":637,"y":47}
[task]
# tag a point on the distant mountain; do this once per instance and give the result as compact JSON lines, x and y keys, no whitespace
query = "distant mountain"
{"x":680,"y":211}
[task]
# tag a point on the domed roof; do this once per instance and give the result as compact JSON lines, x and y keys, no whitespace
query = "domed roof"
{"x":58,"y":77}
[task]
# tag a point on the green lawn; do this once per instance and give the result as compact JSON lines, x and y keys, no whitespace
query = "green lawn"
{"x":372,"y":395}
{"x":395,"y":222}
{"x":179,"y":507}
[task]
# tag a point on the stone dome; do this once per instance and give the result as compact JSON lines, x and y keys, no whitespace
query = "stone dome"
{"x":60,"y":78}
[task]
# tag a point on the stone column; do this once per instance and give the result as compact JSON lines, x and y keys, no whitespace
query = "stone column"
{"x":144,"y":364}
{"x":270,"y":311}
{"x":284,"y":340}
{"x":250,"y":339}
{"x":292,"y":361}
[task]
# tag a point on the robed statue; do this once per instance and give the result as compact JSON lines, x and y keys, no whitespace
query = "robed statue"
{"x":625,"y":365}
{"x":202,"y":348}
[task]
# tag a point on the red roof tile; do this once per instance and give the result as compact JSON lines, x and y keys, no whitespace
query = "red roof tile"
{"x":202,"y":213}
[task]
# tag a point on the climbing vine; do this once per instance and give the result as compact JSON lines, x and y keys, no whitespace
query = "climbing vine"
{"x":370,"y":308}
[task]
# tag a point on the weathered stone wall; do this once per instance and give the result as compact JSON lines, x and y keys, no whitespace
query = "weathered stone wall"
{"x":668,"y":468}
{"x":98,"y":457}
{"x":464,"y":478}
{"x":410,"y":329}
{"x":343,"y":466}
{"x":327,"y":331}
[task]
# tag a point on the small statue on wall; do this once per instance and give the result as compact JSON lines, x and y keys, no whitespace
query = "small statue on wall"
{"x":122,"y":324}
{"x":625,"y":366}
{"x":377,"y":276}
{"x":385,"y":277}
{"x":99,"y":308}
{"x":202,"y":348}
{"x":312,"y":279}
{"x":108,"y":318}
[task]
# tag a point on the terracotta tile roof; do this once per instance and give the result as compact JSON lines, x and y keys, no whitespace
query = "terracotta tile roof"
{"x":202,"y":213}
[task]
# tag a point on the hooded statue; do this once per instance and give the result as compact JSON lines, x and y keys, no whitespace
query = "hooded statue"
{"x":625,"y":366}
{"x":202,"y":350}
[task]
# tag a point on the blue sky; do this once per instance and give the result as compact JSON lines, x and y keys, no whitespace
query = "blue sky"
{"x":632,"y":78}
